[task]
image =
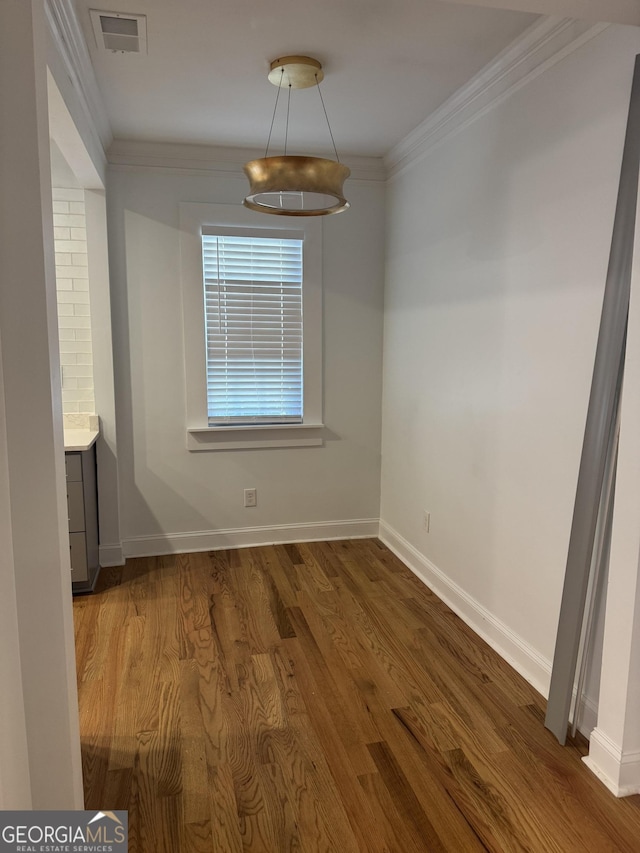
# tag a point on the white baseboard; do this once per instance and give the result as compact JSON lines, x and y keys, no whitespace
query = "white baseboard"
{"x":588,"y":719}
{"x":619,"y":772}
{"x":111,"y":555}
{"x":517,"y":652}
{"x":522,"y":657}
{"x":246,"y":537}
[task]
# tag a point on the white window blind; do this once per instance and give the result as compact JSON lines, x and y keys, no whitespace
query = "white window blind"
{"x":253,"y":320}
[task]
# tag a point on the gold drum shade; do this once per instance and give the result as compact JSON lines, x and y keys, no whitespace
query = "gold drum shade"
{"x":296,"y":186}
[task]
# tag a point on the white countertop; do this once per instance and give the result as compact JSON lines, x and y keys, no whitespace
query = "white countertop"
{"x":80,"y":439}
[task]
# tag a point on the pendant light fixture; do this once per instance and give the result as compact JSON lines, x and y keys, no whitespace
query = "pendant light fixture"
{"x":292,"y":185}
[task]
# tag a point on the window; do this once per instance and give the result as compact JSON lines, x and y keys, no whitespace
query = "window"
{"x":252,"y":310}
{"x":253,"y":323}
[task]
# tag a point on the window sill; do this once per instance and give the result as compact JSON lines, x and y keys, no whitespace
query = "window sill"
{"x":254,"y":437}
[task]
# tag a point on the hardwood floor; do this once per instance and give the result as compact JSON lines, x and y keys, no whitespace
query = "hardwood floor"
{"x":317,"y":697}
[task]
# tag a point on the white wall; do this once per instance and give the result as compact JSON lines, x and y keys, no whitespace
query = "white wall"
{"x":497,"y":250}
{"x":15,"y":788}
{"x":167,"y":491}
{"x":31,"y":434}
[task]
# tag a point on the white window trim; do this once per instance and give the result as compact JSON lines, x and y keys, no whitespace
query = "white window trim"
{"x":201,"y":436}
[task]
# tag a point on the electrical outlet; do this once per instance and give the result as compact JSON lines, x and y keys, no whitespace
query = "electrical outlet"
{"x":250,"y":497}
{"x":426,"y":520}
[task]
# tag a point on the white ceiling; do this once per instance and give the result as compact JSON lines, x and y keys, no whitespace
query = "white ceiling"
{"x":388,"y":65}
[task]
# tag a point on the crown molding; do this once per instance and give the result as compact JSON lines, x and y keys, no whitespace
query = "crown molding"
{"x":611,"y":11}
{"x":198,"y":159}
{"x":542,"y":45}
{"x":72,"y":48}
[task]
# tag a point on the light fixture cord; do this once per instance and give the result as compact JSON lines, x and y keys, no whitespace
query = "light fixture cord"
{"x":286,"y":133}
{"x":273,"y":118}
{"x":327,"y":118}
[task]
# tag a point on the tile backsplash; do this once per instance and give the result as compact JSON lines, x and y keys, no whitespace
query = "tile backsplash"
{"x":72,"y":285}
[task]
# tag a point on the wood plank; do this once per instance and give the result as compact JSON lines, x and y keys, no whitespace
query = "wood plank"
{"x":404,"y":799}
{"x":276,"y":603}
{"x":332,"y":765}
{"x":481,"y":802}
{"x":352,"y":719}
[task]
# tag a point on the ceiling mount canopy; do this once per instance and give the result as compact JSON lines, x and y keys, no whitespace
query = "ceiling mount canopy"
{"x":299,"y":72}
{"x":293,"y":185}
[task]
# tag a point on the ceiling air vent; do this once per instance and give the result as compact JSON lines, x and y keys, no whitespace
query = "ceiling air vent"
{"x":119,"y":33}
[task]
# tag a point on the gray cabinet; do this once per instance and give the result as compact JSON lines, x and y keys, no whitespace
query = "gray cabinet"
{"x":82,"y":506}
